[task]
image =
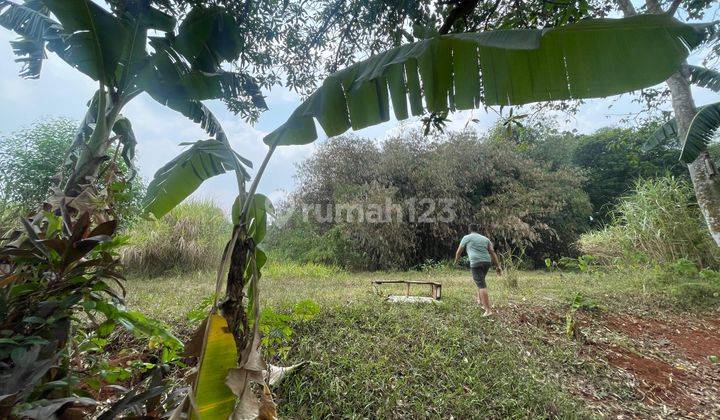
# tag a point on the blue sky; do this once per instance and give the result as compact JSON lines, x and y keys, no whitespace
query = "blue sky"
{"x":63,"y":92}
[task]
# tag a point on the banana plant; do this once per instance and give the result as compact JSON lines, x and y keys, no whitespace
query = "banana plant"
{"x":132,"y":48}
{"x":703,"y":125}
{"x":229,"y":351}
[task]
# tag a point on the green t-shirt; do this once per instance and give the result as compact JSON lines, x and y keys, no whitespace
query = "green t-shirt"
{"x":476,"y":246}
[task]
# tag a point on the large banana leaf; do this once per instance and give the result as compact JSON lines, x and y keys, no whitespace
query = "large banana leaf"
{"x":213,"y":399}
{"x":663,"y":135}
{"x":89,"y":41}
{"x":699,"y":76}
{"x":28,"y":21}
{"x":704,"y":77}
{"x":155,"y":19}
{"x":183,"y":175}
{"x":207,"y":37}
{"x":701,"y":132}
{"x":593,"y":58}
{"x":84,"y":35}
{"x":171,"y":81}
{"x":181,"y":70}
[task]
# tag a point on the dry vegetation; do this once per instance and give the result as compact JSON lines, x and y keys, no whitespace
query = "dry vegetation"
{"x":189,"y":238}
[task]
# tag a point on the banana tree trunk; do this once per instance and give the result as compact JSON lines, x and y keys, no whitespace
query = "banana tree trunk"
{"x":233,"y":307}
{"x":702,"y":171}
{"x":94,"y":147}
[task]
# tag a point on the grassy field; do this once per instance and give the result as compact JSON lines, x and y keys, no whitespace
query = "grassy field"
{"x":170,"y":297}
{"x":624,"y":350}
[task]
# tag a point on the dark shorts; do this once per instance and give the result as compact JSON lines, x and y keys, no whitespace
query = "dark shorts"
{"x":479,"y":272}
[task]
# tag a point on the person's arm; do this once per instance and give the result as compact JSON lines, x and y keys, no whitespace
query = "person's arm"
{"x":494,"y":258}
{"x":458,"y":253}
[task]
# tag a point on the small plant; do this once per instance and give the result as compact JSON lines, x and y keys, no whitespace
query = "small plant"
{"x":61,"y":294}
{"x":579,"y":303}
{"x":277,"y":327}
{"x":511,"y":263}
{"x":552,"y":265}
{"x":583,"y":263}
{"x":200,"y":311}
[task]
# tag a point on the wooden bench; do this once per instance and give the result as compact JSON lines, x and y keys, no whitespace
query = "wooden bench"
{"x":435,"y":288}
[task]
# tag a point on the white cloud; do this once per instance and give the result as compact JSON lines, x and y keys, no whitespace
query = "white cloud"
{"x":281,"y":93}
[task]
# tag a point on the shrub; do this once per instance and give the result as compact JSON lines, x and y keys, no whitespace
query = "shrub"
{"x":518,"y":202}
{"x":297,"y":241}
{"x":512,"y":262}
{"x":613,"y":158}
{"x":689,"y":286}
{"x":658,"y":224}
{"x":191,"y":237}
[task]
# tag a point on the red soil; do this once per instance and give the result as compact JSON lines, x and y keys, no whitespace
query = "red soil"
{"x":660,"y":382}
{"x":691,"y":379}
{"x":697,"y":339}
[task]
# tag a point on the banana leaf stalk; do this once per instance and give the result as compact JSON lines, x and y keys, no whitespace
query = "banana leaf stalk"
{"x":230,"y":360}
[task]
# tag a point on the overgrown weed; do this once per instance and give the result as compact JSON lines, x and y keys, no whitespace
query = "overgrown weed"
{"x":658,"y":223}
{"x":189,"y":238}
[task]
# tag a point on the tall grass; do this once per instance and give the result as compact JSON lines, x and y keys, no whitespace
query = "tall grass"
{"x":658,"y":223}
{"x":191,"y":237}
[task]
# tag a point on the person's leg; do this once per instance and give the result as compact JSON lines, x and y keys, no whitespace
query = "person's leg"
{"x":485,"y":300}
{"x":477,"y":278}
{"x":482,"y":289}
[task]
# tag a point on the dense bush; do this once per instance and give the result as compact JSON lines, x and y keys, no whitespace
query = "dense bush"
{"x":30,"y":158}
{"x":519,"y":202}
{"x":190,"y":237}
{"x":33,"y":159}
{"x":658,"y":223}
{"x":611,"y":158}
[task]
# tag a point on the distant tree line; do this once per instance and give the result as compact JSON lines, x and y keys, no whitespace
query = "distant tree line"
{"x":532,"y":188}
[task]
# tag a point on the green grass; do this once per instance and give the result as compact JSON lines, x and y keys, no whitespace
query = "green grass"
{"x":170,"y":297}
{"x":373,"y":359}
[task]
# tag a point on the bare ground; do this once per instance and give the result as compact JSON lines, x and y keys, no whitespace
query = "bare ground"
{"x":660,"y":364}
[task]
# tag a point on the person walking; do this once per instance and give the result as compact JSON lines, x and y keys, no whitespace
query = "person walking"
{"x":482,"y":255}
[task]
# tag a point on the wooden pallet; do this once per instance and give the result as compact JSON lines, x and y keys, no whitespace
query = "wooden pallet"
{"x":435,"y":288}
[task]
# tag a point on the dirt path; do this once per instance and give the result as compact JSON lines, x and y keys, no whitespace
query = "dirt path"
{"x":660,"y":365}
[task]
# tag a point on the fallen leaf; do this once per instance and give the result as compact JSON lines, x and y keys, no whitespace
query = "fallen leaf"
{"x":275,"y":374}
